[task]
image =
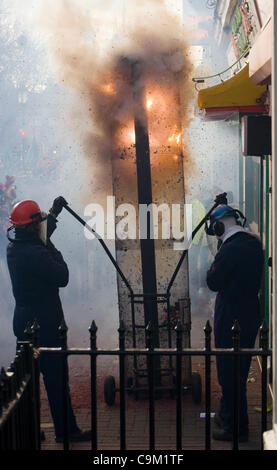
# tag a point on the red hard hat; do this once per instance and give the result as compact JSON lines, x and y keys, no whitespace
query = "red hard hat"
{"x":23,"y":213}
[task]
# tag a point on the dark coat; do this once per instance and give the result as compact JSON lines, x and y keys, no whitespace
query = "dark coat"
{"x":37,"y":271}
{"x":236,"y":275}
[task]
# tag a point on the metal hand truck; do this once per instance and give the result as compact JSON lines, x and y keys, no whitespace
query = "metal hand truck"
{"x":191,"y":381}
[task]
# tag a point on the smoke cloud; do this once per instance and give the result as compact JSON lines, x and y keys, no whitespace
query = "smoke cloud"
{"x":100,"y":75}
{"x":90,"y":46}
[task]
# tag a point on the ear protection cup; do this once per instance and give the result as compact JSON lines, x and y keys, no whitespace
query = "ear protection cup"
{"x":219,"y":228}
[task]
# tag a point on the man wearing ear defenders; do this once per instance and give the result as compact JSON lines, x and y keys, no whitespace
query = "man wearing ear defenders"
{"x":235,"y":275}
{"x":37,"y":270}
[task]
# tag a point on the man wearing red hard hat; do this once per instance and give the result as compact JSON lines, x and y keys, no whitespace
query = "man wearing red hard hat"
{"x":37,"y":270}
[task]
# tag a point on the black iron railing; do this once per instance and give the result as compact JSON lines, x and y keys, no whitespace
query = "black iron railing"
{"x":20,"y":401}
{"x":19,"y":389}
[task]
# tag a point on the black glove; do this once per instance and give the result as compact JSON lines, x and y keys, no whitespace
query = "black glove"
{"x":58,"y":205}
{"x":221,"y":199}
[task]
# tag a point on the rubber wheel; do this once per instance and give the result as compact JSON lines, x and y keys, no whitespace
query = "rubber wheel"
{"x":196,"y":388}
{"x":109,"y":390}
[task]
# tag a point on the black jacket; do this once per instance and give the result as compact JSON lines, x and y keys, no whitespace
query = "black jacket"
{"x":36,"y":273}
{"x":236,"y":275}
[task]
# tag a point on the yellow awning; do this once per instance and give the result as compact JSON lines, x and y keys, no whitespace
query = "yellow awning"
{"x":237,"y":91}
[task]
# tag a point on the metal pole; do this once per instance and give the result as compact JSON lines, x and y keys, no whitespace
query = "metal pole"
{"x":208,"y":332}
{"x":147,"y":246}
{"x":179,"y":410}
{"x":77,"y":217}
{"x":264,"y":347}
{"x":236,"y":385}
{"x":63,"y":336}
{"x":121,"y":332}
{"x":150,"y":369}
{"x":274,"y":209}
{"x":93,"y":385}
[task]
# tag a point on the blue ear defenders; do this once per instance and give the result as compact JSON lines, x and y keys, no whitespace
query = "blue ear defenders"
{"x":216,"y":226}
{"x":219,"y":228}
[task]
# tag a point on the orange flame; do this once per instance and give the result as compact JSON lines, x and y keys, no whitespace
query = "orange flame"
{"x":149,"y":103}
{"x":108,"y":89}
{"x":133,"y":136}
{"x":175,"y":136}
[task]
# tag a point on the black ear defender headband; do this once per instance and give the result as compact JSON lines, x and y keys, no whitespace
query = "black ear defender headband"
{"x":219,"y":227}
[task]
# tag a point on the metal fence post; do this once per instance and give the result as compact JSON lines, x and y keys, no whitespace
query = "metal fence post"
{"x":121,"y":332}
{"x":32,"y":399}
{"x":35,"y":329}
{"x":150,"y":366}
{"x":236,"y":384}
{"x":179,"y":411}
{"x":32,"y":336}
{"x":15,"y":429}
{"x":208,"y":332}
{"x":63,"y":336}
{"x":185,"y":314}
{"x":93,"y":387}
{"x":264,"y":347}
{"x":21,"y":408}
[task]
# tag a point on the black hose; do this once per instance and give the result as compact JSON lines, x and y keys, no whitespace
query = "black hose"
{"x":220,"y":199}
{"x":72,"y":212}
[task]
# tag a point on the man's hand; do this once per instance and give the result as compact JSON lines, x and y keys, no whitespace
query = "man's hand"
{"x":58,"y":205}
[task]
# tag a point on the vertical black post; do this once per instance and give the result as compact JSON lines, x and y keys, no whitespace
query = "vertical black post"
{"x":63,"y":336}
{"x":208,"y":332}
{"x":23,"y":407}
{"x":150,"y":368}
{"x":93,"y":385}
{"x":35,"y":332}
{"x":33,"y":338}
{"x":134,"y":332}
{"x":30,"y":398}
{"x":264,"y":346}
{"x":179,"y":411}
{"x":169,"y":339}
{"x":19,"y":409}
{"x":15,"y":428}
{"x":28,"y":333}
{"x":145,"y":197}
{"x":121,"y":332}
{"x":236,"y":384}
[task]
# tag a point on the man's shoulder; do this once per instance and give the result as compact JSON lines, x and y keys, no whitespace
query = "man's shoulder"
{"x":244,"y":242}
{"x":243,"y":237}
